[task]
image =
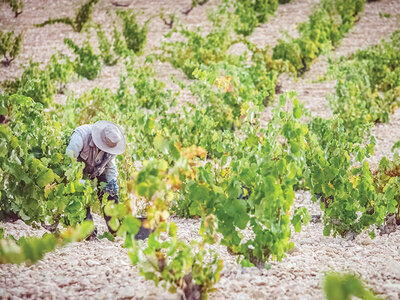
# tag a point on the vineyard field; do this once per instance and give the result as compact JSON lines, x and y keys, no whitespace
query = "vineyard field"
{"x":264,"y":158}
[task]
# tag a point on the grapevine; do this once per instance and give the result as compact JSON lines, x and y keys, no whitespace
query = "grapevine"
{"x":81,"y":19}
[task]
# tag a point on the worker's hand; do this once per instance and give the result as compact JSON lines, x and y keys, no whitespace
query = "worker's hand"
{"x":111,"y":188}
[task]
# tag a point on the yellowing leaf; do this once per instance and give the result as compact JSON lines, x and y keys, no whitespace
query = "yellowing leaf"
{"x":224,"y":83}
{"x":354,"y":180}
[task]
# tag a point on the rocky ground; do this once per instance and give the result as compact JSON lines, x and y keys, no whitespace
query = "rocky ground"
{"x":101,"y":269}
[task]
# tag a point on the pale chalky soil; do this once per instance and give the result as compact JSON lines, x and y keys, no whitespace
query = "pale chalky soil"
{"x":101,"y":269}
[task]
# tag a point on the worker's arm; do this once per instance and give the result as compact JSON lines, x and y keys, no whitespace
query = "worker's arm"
{"x":111,"y":170}
{"x":111,"y":173}
{"x":75,"y":145}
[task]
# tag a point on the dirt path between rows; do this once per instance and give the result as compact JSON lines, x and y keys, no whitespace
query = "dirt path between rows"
{"x":101,"y":269}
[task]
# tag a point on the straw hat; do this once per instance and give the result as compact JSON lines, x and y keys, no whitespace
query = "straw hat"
{"x":108,"y":137}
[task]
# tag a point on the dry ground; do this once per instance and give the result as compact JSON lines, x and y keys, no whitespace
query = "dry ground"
{"x":101,"y":269}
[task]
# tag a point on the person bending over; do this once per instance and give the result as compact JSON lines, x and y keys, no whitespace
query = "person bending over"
{"x":97,"y":145}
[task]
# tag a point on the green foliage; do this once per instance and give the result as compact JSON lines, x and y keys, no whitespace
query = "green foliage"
{"x":16,"y":6}
{"x":346,"y":187}
{"x":81,"y":19}
{"x":368,"y":84}
{"x":267,"y":167}
{"x":36,"y":84}
{"x":384,"y":15}
{"x":106,"y":49}
{"x":329,"y":176}
{"x":289,"y":51}
{"x":87,"y":64}
{"x":118,"y":43}
{"x":41,"y":84}
{"x":29,"y":249}
{"x":246,"y":20}
{"x":177,"y":265}
{"x":170,"y":262}
{"x":228,"y":89}
{"x":327,"y":25}
{"x":264,"y":72}
{"x":353,"y":196}
{"x":10,"y":46}
{"x":150,"y":92}
{"x":197,"y":49}
{"x":234,"y":92}
{"x":83,"y":15}
{"x":345,"y":287}
{"x":197,"y":127}
{"x":348,"y":11}
{"x":39,"y":183}
{"x":32,"y":249}
{"x":60,"y":70}
{"x":134,"y":36}
{"x":250,"y":13}
{"x":107,"y":235}
{"x":124,"y":105}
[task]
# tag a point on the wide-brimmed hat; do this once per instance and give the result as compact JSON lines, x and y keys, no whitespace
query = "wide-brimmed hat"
{"x":108,"y":137}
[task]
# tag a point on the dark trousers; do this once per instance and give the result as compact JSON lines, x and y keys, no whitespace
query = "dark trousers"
{"x":100,"y":193}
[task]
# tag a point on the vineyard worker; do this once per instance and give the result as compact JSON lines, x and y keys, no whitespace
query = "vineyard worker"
{"x":97,"y":145}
